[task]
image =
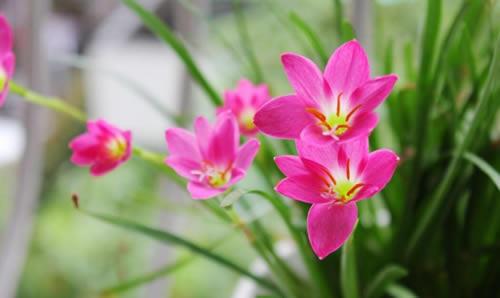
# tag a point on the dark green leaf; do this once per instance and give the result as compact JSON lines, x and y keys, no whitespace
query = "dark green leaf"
{"x":485,"y":167}
{"x":388,"y":275}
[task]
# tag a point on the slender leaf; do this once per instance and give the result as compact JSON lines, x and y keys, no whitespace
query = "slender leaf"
{"x":348,"y":31}
{"x":232,"y":197}
{"x":348,"y":270}
{"x":166,"y":34}
{"x":388,"y":275}
{"x":162,"y":272}
{"x":485,"y":167}
{"x":399,"y":291}
{"x":434,"y":206}
{"x":311,"y":36}
{"x":169,"y":238}
{"x":339,"y":16}
{"x":246,"y":43}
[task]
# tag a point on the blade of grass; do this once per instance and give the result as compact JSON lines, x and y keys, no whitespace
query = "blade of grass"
{"x":166,"y":34}
{"x":339,"y":16}
{"x":160,"y":273}
{"x":348,"y":270}
{"x":246,"y":43}
{"x":385,"y":277}
{"x":310,"y":35}
{"x":169,"y":238}
{"x":348,"y":31}
{"x":485,"y":167}
{"x":432,"y":210}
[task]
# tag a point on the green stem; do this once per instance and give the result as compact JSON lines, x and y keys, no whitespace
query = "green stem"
{"x":52,"y":103}
{"x":60,"y":106}
{"x":304,"y":250}
{"x":260,"y":248}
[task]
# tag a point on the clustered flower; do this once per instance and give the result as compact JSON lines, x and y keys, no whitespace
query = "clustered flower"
{"x":7,"y":58}
{"x":330,"y":116}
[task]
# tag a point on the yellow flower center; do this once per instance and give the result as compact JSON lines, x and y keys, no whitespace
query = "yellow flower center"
{"x":334,"y":123}
{"x":117,"y":147}
{"x":3,"y":78}
{"x":246,"y":119}
{"x":215,"y":177}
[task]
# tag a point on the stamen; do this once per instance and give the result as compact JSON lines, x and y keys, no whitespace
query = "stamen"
{"x":352,"y":112}
{"x":338,"y":103}
{"x":316,"y":113}
{"x":347,"y":169}
{"x":354,"y":188}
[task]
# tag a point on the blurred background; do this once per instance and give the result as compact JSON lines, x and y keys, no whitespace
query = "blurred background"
{"x":98,"y":56}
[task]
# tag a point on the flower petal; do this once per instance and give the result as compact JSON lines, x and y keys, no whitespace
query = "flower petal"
{"x":201,"y":191}
{"x":101,"y":168}
{"x":314,"y":135}
{"x":203,"y":132}
{"x":304,"y":188}
{"x":181,"y":142}
{"x":182,"y":166}
{"x":236,"y":176}
{"x":380,"y":167}
{"x":283,"y":117}
{"x":324,"y":155}
{"x":304,"y":76}
{"x":372,"y":93}
{"x":347,"y":68}
{"x":290,"y":165}
{"x":356,"y":151}
{"x":5,"y":36}
{"x":224,"y":141}
{"x":362,"y":126}
{"x":246,"y":154}
{"x":329,"y":226}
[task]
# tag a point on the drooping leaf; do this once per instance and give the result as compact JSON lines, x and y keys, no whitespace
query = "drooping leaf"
{"x":485,"y":167}
{"x":166,"y":34}
{"x":385,"y":277}
{"x":172,"y":239}
{"x":311,"y":36}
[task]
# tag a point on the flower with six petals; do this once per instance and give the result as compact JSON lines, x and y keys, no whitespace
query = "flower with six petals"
{"x":7,"y":58}
{"x":211,"y":158}
{"x":244,"y":101}
{"x":333,"y":178}
{"x":103,"y":147}
{"x":337,"y":105}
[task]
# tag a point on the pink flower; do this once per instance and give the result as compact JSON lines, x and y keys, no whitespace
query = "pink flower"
{"x":7,"y":58}
{"x":244,"y":101}
{"x":103,"y":147}
{"x":337,"y":105}
{"x":333,"y":178}
{"x":210,"y":158}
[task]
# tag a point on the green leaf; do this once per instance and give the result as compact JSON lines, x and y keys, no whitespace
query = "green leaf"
{"x":388,"y":275}
{"x":311,"y":36}
{"x":432,"y":209}
{"x":399,"y":291}
{"x":166,"y":34}
{"x":348,"y":32}
{"x":169,"y":238}
{"x":485,"y":167}
{"x":348,"y":270}
{"x":339,"y":16}
{"x":232,"y":197}
{"x":246,"y":43}
{"x":162,"y":272}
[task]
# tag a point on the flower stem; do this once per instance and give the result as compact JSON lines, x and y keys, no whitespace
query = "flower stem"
{"x":52,"y":103}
